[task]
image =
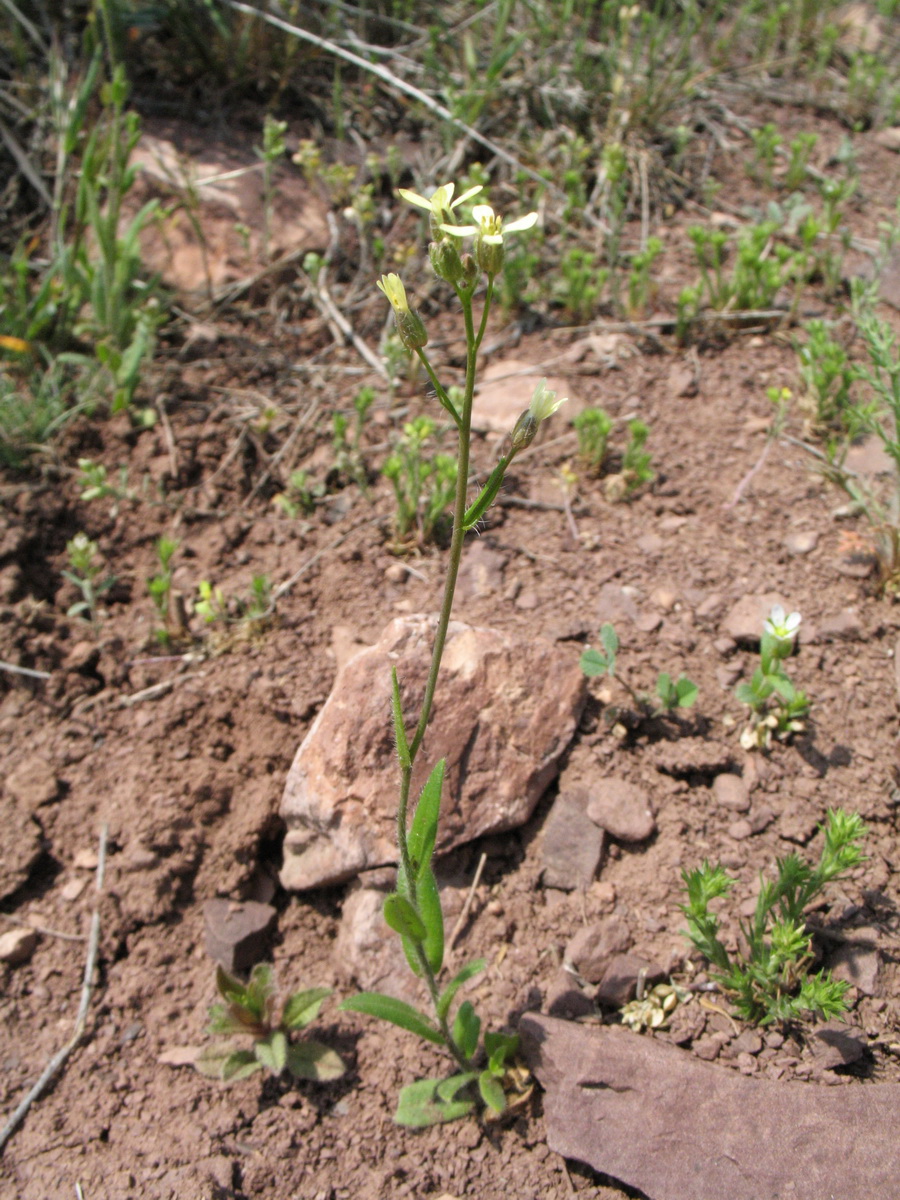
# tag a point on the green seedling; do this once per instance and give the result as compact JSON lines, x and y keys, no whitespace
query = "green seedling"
{"x":639,"y":279}
{"x":670,"y":694}
{"x":581,"y":286}
{"x":801,"y":149}
{"x":212,"y":605}
{"x":347,"y":442}
{"x":84,"y":574}
{"x":484,"y":1062}
{"x":272,"y":149}
{"x":827,"y":375}
{"x":424,"y":484}
{"x":778,"y":708}
{"x":252,"y":1010}
{"x":766,"y":145}
{"x":299,"y":496}
{"x":160,"y":586}
{"x":593,"y":427}
{"x":636,"y":470}
{"x":768,"y":980}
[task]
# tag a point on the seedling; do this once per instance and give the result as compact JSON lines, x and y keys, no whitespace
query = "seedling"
{"x":160,"y":586}
{"x":272,"y":149}
{"x":85,"y":570}
{"x":827,"y":375}
{"x":778,"y":708}
{"x":670,"y":694}
{"x":253,"y":1010}
{"x":96,"y":485}
{"x":299,"y":496}
{"x":212,"y":605}
{"x":768,"y":980}
{"x":348,"y":458}
{"x":593,"y":427}
{"x":424,"y":485}
{"x":485,"y":1063}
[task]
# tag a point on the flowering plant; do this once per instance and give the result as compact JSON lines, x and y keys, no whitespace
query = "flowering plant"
{"x":485,"y":1073}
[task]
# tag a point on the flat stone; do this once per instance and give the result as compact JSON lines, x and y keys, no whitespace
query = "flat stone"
{"x":622,"y":809}
{"x":801,"y":541}
{"x":709,"y":1047}
{"x":616,"y":606}
{"x":620,"y":979}
{"x":656,"y":1119}
{"x":480,"y":573}
{"x":572,"y":846}
{"x":594,"y":946}
{"x":744,"y":622}
{"x":842,"y":626}
{"x":731,"y":791}
{"x":33,"y":783}
{"x":505,"y":711}
{"x":17,"y":946}
{"x":231,"y":211}
{"x":740,"y":830}
{"x":566,"y":999}
{"x":799,"y":821}
{"x":837,"y":1045}
{"x":860,"y":966}
{"x":650,"y":543}
{"x":237,"y":932}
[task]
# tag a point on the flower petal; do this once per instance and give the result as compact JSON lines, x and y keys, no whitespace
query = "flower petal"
{"x":414,"y":198}
{"x":473,"y":191}
{"x":520,"y":223}
{"x":459,"y":230}
{"x":482,"y":213}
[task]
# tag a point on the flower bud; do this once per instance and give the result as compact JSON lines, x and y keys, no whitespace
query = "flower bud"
{"x":445,"y":260}
{"x":471,"y":270}
{"x":489,"y":256}
{"x":411,"y":329}
{"x":523,"y":433}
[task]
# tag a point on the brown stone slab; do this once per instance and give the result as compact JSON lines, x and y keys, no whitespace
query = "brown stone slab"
{"x":657,"y":1119}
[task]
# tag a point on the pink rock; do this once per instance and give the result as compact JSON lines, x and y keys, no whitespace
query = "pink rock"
{"x":622,"y":809}
{"x":505,"y":712}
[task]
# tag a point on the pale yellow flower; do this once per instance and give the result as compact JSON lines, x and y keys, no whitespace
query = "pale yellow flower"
{"x":392,"y":286}
{"x":489,"y":226}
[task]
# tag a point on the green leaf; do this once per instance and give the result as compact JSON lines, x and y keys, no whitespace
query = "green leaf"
{"x":303,"y":1007}
{"x":593,"y":663}
{"x":399,"y":726}
{"x":400,"y":915}
{"x":466,"y":1028}
{"x":686,"y":691}
{"x":212,"y":1059}
{"x":315,"y":1061}
{"x":461,"y":977}
{"x":229,"y":987}
{"x":240,"y":1064}
{"x":419,"y":1106}
{"x":610,"y":640}
{"x":423,"y":831}
{"x":433,"y":919}
{"x":449,"y":1089}
{"x":492,"y":1092}
{"x":398,"y":1012}
{"x":500,"y":1048}
{"x":272,"y":1051}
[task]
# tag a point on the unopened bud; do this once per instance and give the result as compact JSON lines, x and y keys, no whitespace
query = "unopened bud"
{"x":445,"y":260}
{"x":523,"y":433}
{"x":411,"y":329}
{"x":471,"y":270}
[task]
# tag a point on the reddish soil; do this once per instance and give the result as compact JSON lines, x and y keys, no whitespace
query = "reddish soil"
{"x":185,"y":755}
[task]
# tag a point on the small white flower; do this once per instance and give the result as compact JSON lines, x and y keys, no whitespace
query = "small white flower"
{"x":441,"y":203}
{"x":544,"y":402}
{"x":392,"y":286}
{"x":781,"y":626}
{"x":490,"y":227}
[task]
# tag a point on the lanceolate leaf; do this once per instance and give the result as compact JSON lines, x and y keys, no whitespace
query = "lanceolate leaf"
{"x":492,"y":1091}
{"x":398,"y":1012}
{"x":466,"y":1028}
{"x":272,"y":1052}
{"x":240,"y":1064}
{"x":400,"y":915}
{"x":423,"y":831}
{"x":433,"y":919}
{"x":420,"y":1105}
{"x":461,"y":977}
{"x":313,"y":1060}
{"x":303,"y":1007}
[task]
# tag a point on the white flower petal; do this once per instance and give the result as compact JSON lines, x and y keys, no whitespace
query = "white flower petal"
{"x":414,"y":198}
{"x":520,"y":223}
{"x":473,"y":191}
{"x":459,"y":230}
{"x":483,"y":213}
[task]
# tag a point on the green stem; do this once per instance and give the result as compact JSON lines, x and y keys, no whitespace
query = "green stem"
{"x":440,"y":637}
{"x":442,"y":396}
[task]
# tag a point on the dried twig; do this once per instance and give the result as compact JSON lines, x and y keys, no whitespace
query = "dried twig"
{"x":461,"y":919}
{"x":11,"y":919}
{"x":59,"y":1059}
{"x":5,"y":666}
